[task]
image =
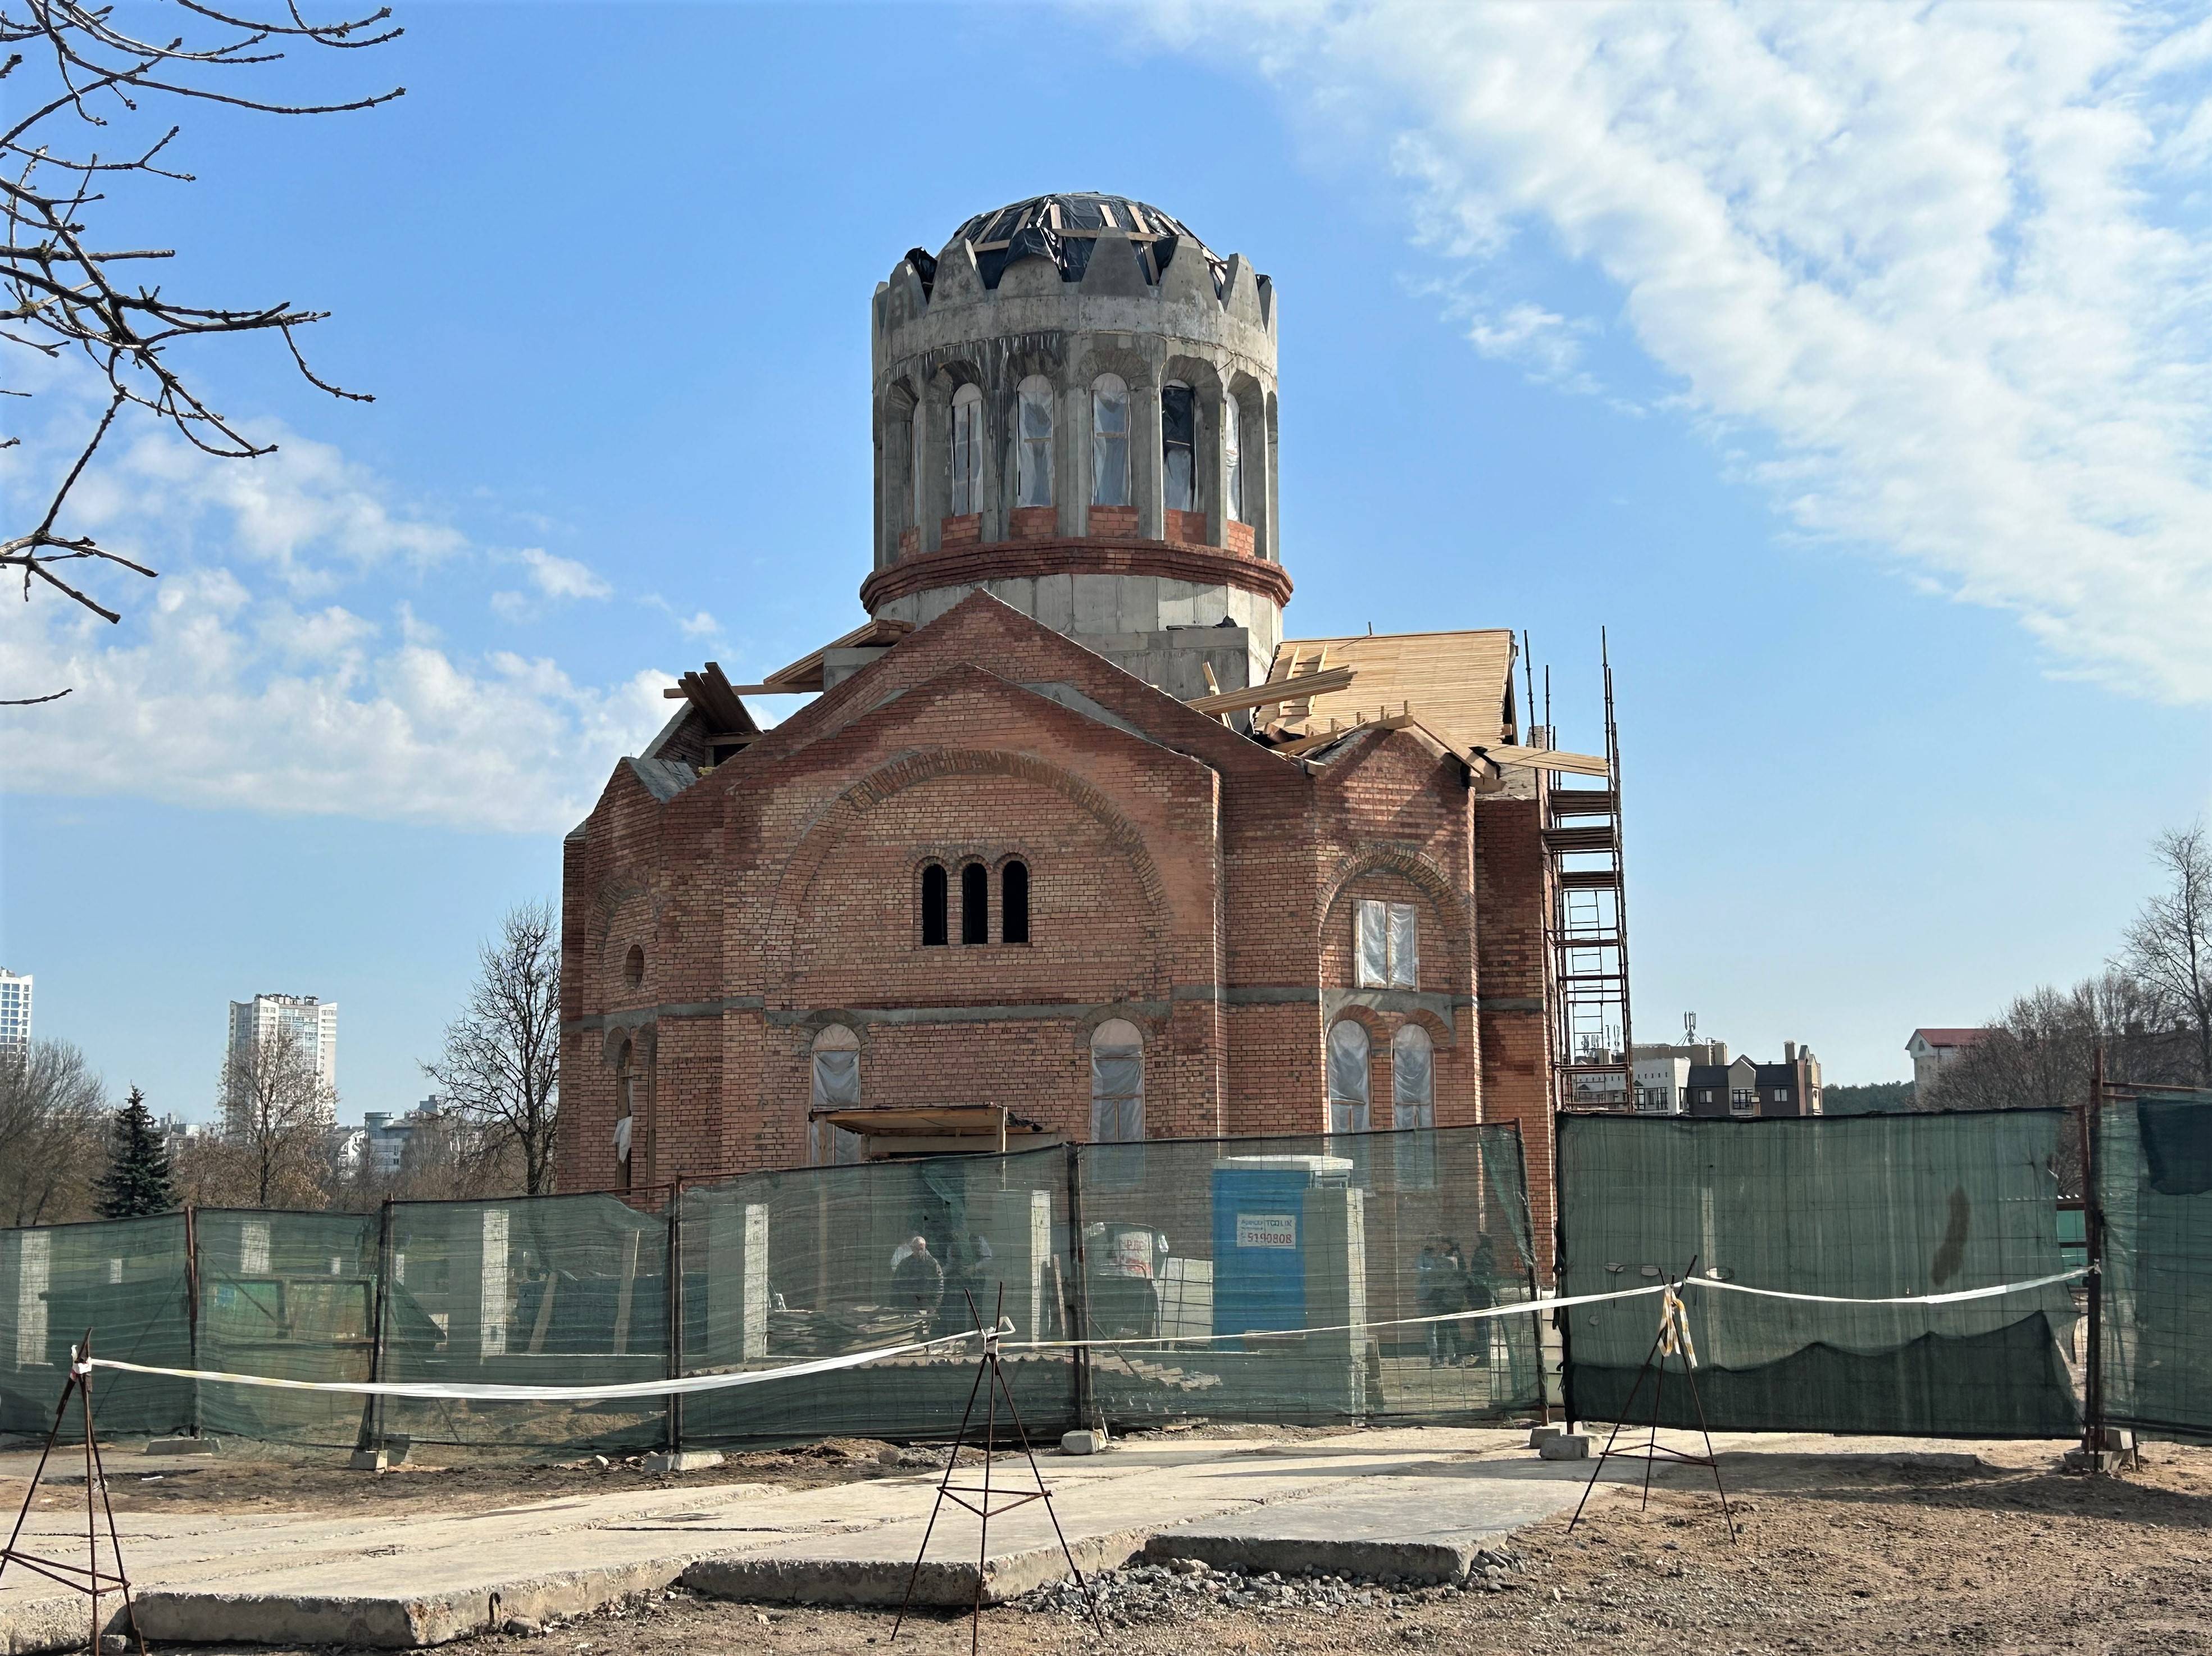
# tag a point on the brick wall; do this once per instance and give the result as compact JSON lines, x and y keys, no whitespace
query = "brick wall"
{"x":1513,"y":970}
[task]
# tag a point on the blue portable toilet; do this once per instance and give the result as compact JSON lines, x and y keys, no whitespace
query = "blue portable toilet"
{"x":1259,"y":1238}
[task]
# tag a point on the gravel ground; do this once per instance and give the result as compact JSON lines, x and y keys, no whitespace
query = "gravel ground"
{"x":1835,"y":1554}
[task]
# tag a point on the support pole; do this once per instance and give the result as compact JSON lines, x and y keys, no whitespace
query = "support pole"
{"x":193,"y":1303}
{"x":380,"y":1322}
{"x":1078,"y":1310}
{"x":675,"y":1314}
{"x":2093,"y":1237}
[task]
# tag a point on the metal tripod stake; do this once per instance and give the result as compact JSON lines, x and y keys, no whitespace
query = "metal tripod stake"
{"x":86,"y":1578}
{"x":1651,"y":1450}
{"x":992,"y":1369}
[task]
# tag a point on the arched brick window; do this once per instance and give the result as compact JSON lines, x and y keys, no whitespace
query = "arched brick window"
{"x":1413,"y":1107}
{"x":1033,"y":442}
{"x":1014,"y":902}
{"x":836,"y":1074}
{"x":935,"y":930}
{"x":1347,"y":1076}
{"x":967,"y":450}
{"x":625,"y":1110}
{"x":974,"y":904}
{"x":1117,"y":1083}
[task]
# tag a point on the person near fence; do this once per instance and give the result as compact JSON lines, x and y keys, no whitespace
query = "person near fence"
{"x":1431,"y":1294}
{"x":917,"y":1278}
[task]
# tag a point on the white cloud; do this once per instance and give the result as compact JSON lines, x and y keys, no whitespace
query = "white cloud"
{"x":1925,"y":258}
{"x":562,"y":577}
{"x":221,"y":689}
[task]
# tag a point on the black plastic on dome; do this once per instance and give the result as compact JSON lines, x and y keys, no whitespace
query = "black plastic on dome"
{"x":1065,"y":228}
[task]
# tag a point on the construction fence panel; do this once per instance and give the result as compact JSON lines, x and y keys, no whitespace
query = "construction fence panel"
{"x":126,"y":1280}
{"x":1861,"y":1207}
{"x":563,"y":1290}
{"x":292,"y":1295}
{"x":784,"y":1268}
{"x":2154,"y":1170}
{"x":1285,"y":1279}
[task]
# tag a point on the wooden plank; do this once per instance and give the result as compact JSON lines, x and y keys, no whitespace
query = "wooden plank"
{"x":1277,"y":689}
{"x":1545,"y":758}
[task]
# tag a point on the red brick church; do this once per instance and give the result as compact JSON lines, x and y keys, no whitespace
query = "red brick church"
{"x":1071,"y":841}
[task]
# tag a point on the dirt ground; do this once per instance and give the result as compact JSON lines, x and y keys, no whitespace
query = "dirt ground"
{"x":1847,"y":1555}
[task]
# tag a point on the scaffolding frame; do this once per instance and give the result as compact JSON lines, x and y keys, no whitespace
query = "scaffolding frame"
{"x":1587,"y":920}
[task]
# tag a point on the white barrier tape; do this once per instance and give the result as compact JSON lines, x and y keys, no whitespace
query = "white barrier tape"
{"x":1898,"y":1299}
{"x":434,"y":1391}
{"x":693,"y":1382}
{"x":1517,"y":1308}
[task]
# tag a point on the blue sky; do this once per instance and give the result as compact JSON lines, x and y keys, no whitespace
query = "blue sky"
{"x":1847,"y":364}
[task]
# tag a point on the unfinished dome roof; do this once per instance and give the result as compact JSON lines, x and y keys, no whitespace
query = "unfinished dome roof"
{"x":1064,"y":229}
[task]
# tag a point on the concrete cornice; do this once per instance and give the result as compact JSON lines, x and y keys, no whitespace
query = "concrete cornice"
{"x":1015,"y":560}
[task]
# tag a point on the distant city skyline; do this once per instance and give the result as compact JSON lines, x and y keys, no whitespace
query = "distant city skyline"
{"x":311,"y":1021}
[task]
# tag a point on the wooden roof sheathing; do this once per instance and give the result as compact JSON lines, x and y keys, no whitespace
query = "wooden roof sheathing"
{"x":1454,"y":683}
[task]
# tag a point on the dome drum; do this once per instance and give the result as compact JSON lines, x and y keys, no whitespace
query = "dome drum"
{"x":1079,"y":370}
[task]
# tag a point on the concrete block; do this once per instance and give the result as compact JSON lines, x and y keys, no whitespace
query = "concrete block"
{"x":2101,"y":1460}
{"x":183,"y":1446}
{"x":1055,"y":601}
{"x":1138,"y":603}
{"x":1539,"y":1436}
{"x":1083,"y":1441}
{"x":1568,"y":1445}
{"x":1096,"y":604}
{"x":369,"y":1460}
{"x":682,"y":1460}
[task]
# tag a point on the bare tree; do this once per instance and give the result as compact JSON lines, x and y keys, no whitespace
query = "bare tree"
{"x":80,"y":88}
{"x":500,"y":1070}
{"x":277,"y":1114}
{"x":2169,"y":947}
{"x":54,"y":1114}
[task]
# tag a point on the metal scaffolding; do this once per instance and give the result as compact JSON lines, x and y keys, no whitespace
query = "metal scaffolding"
{"x":1588,"y":924}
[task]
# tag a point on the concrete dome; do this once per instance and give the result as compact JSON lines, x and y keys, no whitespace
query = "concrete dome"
{"x":1064,"y":228}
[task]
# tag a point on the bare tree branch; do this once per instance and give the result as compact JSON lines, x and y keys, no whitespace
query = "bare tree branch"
{"x":59,"y":294}
{"x":500,"y":1069}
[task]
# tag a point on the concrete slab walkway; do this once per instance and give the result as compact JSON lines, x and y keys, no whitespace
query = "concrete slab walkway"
{"x":1412,"y":1502}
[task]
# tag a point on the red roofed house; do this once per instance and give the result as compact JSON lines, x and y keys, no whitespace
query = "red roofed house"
{"x":1931,"y":1048}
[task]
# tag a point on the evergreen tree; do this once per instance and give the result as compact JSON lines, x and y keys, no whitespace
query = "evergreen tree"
{"x":138,"y":1181}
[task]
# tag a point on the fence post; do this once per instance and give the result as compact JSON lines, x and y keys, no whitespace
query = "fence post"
{"x":379,"y":1321}
{"x":675,"y":1285}
{"x":192,"y":1303}
{"x":1563,"y":1319}
{"x":2092,"y":1238}
{"x":1079,"y":1309}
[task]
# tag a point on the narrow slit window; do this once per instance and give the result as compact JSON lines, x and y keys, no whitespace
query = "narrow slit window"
{"x":967,"y":451}
{"x":933,"y":929}
{"x":975,"y":904}
{"x":1179,"y":446}
{"x":1110,"y":441}
{"x":1014,"y":902}
{"x":1033,"y":451}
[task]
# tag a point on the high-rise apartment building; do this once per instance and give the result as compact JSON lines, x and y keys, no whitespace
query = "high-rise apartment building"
{"x":312,"y":1023}
{"x":15,"y":1011}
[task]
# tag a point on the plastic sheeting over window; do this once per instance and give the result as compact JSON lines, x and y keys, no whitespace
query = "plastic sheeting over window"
{"x":1117,"y":1083}
{"x":1033,"y":448}
{"x":1347,"y":1077}
{"x":915,"y":448}
{"x":1413,"y":1106}
{"x":836,"y":1087}
{"x":1179,"y":446}
{"x":1233,"y":455}
{"x":1387,"y":941}
{"x":967,"y":451}
{"x":1110,"y":441}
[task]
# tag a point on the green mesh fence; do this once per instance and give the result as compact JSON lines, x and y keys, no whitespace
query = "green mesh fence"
{"x":1863,"y":1207}
{"x":125,"y":1280}
{"x":1257,"y":1279}
{"x":291,"y":1296}
{"x":2155,"y":1184}
{"x":546,"y":1291}
{"x":792,"y":1267}
{"x":1347,"y":1236}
